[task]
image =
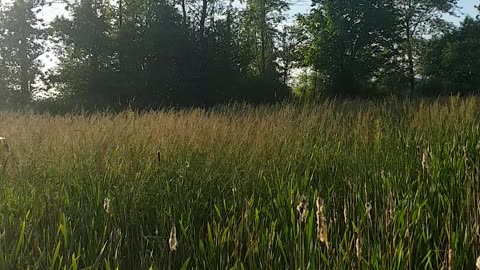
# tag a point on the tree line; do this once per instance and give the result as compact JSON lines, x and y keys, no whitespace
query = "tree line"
{"x":154,"y":53}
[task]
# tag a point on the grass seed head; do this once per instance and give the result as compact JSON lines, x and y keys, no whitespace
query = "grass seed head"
{"x":425,"y":160}
{"x":302,"y":209}
{"x":246,"y":213}
{"x":106,"y":205}
{"x":322,"y":227}
{"x":358,"y":247}
{"x":368,"y":210}
{"x":390,"y":210}
{"x":172,"y":241}
{"x":3,"y":142}
{"x":450,"y":259}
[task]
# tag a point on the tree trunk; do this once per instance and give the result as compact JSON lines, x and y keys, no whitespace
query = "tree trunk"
{"x":24,"y":81}
{"x":120,"y":14}
{"x":263,"y":38}
{"x":410,"y":63}
{"x":121,"y":39}
{"x":229,"y":19}
{"x":184,"y":12}
{"x":24,"y":63}
{"x":202,"y":19}
{"x":93,"y":80}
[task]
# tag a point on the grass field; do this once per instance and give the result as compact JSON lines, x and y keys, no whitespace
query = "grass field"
{"x":397,"y":183}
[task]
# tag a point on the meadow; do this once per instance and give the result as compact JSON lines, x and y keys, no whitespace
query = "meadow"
{"x":336,"y":185}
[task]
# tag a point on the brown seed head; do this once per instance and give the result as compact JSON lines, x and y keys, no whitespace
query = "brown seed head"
{"x":3,"y":142}
{"x":246,"y":213}
{"x":450,"y":259}
{"x":172,"y":241}
{"x":322,"y":227}
{"x":368,"y":210}
{"x":302,"y":208}
{"x":390,"y":210}
{"x":425,"y":160}
{"x":358,"y":246}
{"x":106,"y":205}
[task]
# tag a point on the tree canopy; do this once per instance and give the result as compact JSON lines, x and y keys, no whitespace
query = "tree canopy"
{"x":155,"y":53}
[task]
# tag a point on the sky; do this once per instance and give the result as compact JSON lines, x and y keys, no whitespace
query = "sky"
{"x":467,"y":7}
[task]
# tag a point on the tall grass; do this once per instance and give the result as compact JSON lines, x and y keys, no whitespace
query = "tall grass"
{"x":397,"y":183}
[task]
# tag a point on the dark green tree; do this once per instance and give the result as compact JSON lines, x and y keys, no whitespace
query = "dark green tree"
{"x":351,"y":43}
{"x":290,"y":44}
{"x":260,"y":29}
{"x":418,"y":18}
{"x":87,"y":54}
{"x":21,"y":44}
{"x":451,"y":63}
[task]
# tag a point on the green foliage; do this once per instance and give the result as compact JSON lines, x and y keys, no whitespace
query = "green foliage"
{"x":151,"y":56}
{"x":21,"y":43}
{"x":351,"y":42}
{"x":102,"y":191}
{"x":199,"y":53}
{"x":417,"y":18}
{"x":451,"y":62}
{"x":261,"y":20}
{"x":87,"y":61}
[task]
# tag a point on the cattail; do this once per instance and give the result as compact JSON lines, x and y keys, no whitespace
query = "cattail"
{"x":172,"y":241}
{"x":477,"y":263}
{"x":246,"y":213}
{"x":425,"y":160}
{"x":302,"y":209}
{"x":465,"y":159}
{"x":450,"y":259}
{"x":3,"y":141}
{"x":368,"y":209}
{"x":358,"y":246}
{"x":390,"y":210}
{"x":106,"y":205}
{"x":158,"y":156}
{"x":322,"y":228}
{"x":334,"y":209}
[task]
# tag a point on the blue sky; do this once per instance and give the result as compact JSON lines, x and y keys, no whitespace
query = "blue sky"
{"x":466,"y":7}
